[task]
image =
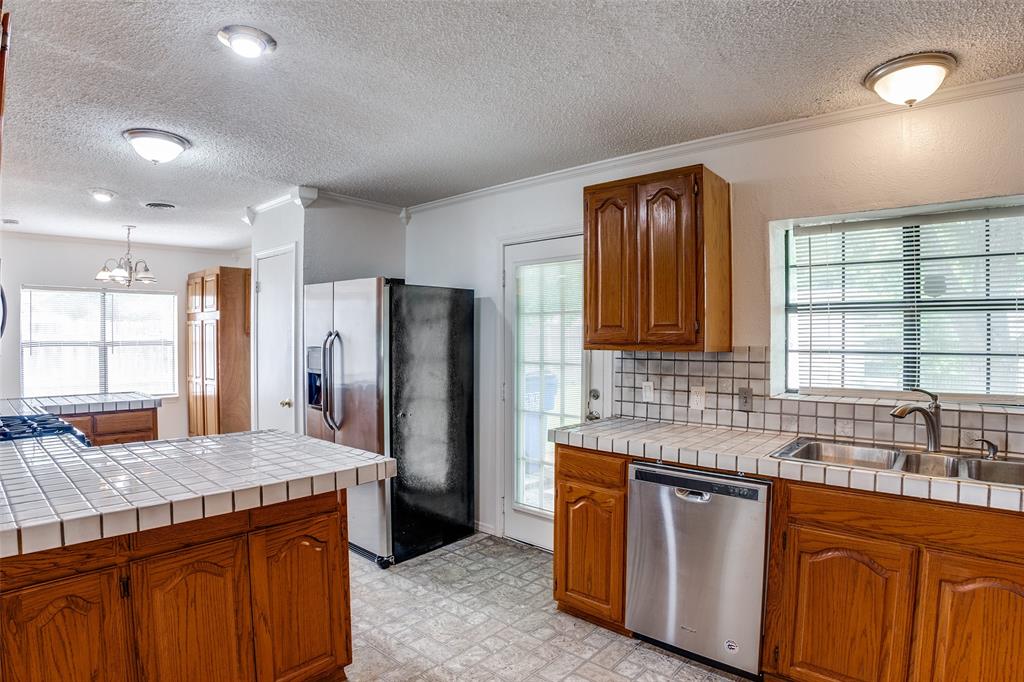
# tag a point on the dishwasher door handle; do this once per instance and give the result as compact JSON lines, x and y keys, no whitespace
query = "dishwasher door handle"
{"x":694,"y":496}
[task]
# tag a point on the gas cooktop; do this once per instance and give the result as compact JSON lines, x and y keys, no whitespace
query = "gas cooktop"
{"x":37,"y":426}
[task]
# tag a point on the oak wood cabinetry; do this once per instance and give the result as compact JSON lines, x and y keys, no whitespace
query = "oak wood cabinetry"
{"x":590,"y":535}
{"x":251,"y":595}
{"x":658,"y":263}
{"x":217,"y":370}
{"x":108,"y":428}
{"x":873,"y":588}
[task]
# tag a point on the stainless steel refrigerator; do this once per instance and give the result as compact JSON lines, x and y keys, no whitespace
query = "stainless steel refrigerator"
{"x":389,"y":369}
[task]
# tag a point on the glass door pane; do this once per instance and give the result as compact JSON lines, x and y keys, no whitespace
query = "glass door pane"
{"x":549,"y":371}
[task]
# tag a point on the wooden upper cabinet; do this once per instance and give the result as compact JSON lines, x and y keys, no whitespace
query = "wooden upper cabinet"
{"x":72,"y":630}
{"x":848,"y":601}
{"x":210,"y":286}
{"x":970,"y":620}
{"x":590,"y":533}
{"x":669,"y":267}
{"x":194,"y":294}
{"x":609,"y":244}
{"x":300,"y":605}
{"x":658,"y":258}
{"x":192,"y":614}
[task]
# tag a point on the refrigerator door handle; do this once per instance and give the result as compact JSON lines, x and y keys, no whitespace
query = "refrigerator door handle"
{"x":325,"y":381}
{"x":332,"y":423}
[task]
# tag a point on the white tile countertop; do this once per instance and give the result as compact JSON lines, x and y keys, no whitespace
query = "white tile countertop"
{"x":78,"y":404}
{"x":749,"y":451}
{"x":55,"y":492}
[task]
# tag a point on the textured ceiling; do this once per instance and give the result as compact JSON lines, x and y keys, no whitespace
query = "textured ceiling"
{"x":405,"y":102}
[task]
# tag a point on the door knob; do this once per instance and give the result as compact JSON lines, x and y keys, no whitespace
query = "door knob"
{"x":287,"y":402}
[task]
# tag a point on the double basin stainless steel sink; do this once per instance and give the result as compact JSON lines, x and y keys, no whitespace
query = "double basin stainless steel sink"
{"x":908,"y":461}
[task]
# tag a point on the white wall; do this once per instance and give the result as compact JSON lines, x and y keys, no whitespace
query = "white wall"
{"x":61,"y":261}
{"x":349,"y":241}
{"x":959,"y":149}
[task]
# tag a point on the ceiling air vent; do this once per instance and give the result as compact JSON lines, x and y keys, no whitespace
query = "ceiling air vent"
{"x":11,"y":221}
{"x":160,"y":205}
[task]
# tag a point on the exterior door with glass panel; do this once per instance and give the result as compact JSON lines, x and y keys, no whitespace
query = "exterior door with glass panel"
{"x":547,"y":379}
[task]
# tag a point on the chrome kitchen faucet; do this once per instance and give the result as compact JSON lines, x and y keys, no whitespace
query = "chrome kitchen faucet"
{"x":932,"y":418}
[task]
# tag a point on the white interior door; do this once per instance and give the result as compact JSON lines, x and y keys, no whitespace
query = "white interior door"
{"x":547,"y":378}
{"x":276,"y":401}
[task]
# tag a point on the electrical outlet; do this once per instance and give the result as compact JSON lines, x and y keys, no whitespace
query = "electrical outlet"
{"x":746,"y":396}
{"x":647,"y":388}
{"x":698,"y":397}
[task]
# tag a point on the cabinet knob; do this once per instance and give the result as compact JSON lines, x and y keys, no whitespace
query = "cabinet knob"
{"x":287,"y":402}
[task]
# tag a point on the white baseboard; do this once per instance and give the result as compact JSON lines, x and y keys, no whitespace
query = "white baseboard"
{"x":485,"y":528}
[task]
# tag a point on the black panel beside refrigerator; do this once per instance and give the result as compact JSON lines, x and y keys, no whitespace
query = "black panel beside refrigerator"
{"x":431,"y":417}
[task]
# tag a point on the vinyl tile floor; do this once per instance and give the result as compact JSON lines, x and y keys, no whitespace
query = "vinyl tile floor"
{"x":481,"y":609}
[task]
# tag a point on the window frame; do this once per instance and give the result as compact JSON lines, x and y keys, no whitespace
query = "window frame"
{"x":102,"y":345}
{"x":780,"y":234}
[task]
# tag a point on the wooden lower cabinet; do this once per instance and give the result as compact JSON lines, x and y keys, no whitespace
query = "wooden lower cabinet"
{"x":298,"y":604}
{"x":108,"y":428}
{"x":192,"y":619}
{"x":71,"y":630}
{"x":590,"y":535}
{"x":873,"y":588}
{"x":849,"y":601}
{"x":258,"y":595}
{"x":970,"y":620}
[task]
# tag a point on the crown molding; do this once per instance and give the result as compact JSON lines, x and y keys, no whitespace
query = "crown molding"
{"x":972,"y":91}
{"x":365,"y":203}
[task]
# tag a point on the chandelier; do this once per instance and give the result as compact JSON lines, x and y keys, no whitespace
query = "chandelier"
{"x":125,"y":270}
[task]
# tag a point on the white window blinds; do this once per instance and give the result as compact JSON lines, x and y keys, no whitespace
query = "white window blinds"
{"x":95,"y":341}
{"x":934,"y":301}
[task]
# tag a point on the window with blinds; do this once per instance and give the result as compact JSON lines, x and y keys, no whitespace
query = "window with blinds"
{"x":97,"y":341}
{"x":935,"y":302}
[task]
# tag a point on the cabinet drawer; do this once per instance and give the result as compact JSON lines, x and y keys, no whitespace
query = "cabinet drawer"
{"x":589,"y":467}
{"x":118,"y":438}
{"x":123,"y":422}
{"x":83,"y":424}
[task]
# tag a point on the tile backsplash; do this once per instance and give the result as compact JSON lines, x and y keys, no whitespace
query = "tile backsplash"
{"x":722,"y":375}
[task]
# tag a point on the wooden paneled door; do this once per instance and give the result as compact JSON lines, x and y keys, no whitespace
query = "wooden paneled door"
{"x":299,"y":600}
{"x":194,"y":378}
{"x":74,"y":630}
{"x":590,"y":551}
{"x":970,"y":620}
{"x":210,"y":292}
{"x":669,"y":265}
{"x":609,"y":261}
{"x":848,"y":601}
{"x":192,"y":614}
{"x":194,"y":295}
{"x":211,"y":387}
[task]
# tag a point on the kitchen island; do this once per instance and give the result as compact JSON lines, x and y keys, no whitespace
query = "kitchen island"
{"x":220,"y":557}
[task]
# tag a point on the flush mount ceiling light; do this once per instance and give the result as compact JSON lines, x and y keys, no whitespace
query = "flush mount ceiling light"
{"x":910,"y":79}
{"x":104,"y":196}
{"x":158,"y":146}
{"x":247,"y":41}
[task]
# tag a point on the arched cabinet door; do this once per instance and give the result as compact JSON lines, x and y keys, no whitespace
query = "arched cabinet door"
{"x":193,"y":620}
{"x":609,"y":263}
{"x":849,"y":603}
{"x":590,"y":552}
{"x":71,"y":630}
{"x":970,"y":620}
{"x":300,"y":600}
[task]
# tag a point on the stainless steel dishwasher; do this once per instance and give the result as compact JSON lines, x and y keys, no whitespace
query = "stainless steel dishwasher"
{"x":695,"y":549}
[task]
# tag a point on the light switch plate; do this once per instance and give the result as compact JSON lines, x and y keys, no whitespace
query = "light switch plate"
{"x":698,"y":397}
{"x":647,"y":388}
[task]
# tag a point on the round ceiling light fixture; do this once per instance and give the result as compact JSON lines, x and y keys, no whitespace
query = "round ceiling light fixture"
{"x":247,"y":41}
{"x":911,"y":78}
{"x":158,"y":146}
{"x":160,"y":205}
{"x":104,"y":196}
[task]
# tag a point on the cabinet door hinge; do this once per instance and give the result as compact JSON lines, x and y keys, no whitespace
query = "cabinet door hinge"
{"x":775,"y":655}
{"x":696,"y":326}
{"x":126,"y":587}
{"x":696,"y":188}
